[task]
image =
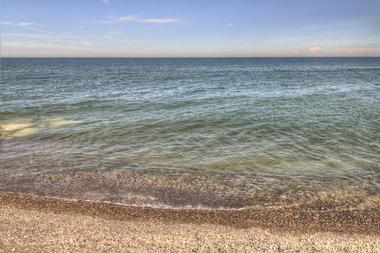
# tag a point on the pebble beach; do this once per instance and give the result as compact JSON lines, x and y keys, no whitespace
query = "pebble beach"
{"x":38,"y":224}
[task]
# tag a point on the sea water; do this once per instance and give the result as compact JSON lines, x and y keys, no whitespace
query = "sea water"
{"x":193,"y":132}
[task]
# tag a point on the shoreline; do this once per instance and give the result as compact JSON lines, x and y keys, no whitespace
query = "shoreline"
{"x":289,"y":220}
{"x":38,"y":224}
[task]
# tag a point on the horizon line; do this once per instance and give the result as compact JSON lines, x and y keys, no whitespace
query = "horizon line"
{"x":181,"y":57}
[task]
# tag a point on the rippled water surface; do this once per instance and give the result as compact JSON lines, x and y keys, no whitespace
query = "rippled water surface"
{"x":193,"y":132}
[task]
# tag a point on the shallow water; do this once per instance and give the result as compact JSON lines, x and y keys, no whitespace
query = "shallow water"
{"x":193,"y":132}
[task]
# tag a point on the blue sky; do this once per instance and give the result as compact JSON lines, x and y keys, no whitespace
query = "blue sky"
{"x":190,"y":28}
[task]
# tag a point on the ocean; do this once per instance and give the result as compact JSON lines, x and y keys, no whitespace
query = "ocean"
{"x":193,"y":132}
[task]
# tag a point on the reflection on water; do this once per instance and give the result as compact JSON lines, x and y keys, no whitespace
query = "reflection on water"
{"x":59,"y":122}
{"x":17,"y":129}
{"x":198,"y":132}
{"x":23,"y":128}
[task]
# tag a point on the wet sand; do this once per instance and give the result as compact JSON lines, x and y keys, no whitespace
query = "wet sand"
{"x":30,"y":224}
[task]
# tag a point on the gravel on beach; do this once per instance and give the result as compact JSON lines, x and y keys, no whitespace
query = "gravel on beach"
{"x":25,"y":227}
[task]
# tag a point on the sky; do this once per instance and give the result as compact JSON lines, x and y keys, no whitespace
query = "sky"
{"x":189,"y":28}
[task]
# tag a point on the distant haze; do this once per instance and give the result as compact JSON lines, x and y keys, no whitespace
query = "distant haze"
{"x":193,"y":28}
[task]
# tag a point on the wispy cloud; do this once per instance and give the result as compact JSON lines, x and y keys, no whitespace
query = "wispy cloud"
{"x":136,"y":18}
{"x":106,"y":2}
{"x":34,"y":35}
{"x":123,"y":18}
{"x":314,"y":50}
{"x":28,"y":26}
{"x":358,"y":51}
{"x":16,"y":23}
{"x":56,"y":46}
{"x":38,"y":38}
{"x":14,"y":39}
{"x":159,"y":20}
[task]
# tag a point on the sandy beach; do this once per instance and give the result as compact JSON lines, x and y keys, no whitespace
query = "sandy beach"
{"x":38,"y":224}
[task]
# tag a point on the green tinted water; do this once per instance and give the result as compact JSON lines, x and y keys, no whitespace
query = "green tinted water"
{"x":198,"y":132}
